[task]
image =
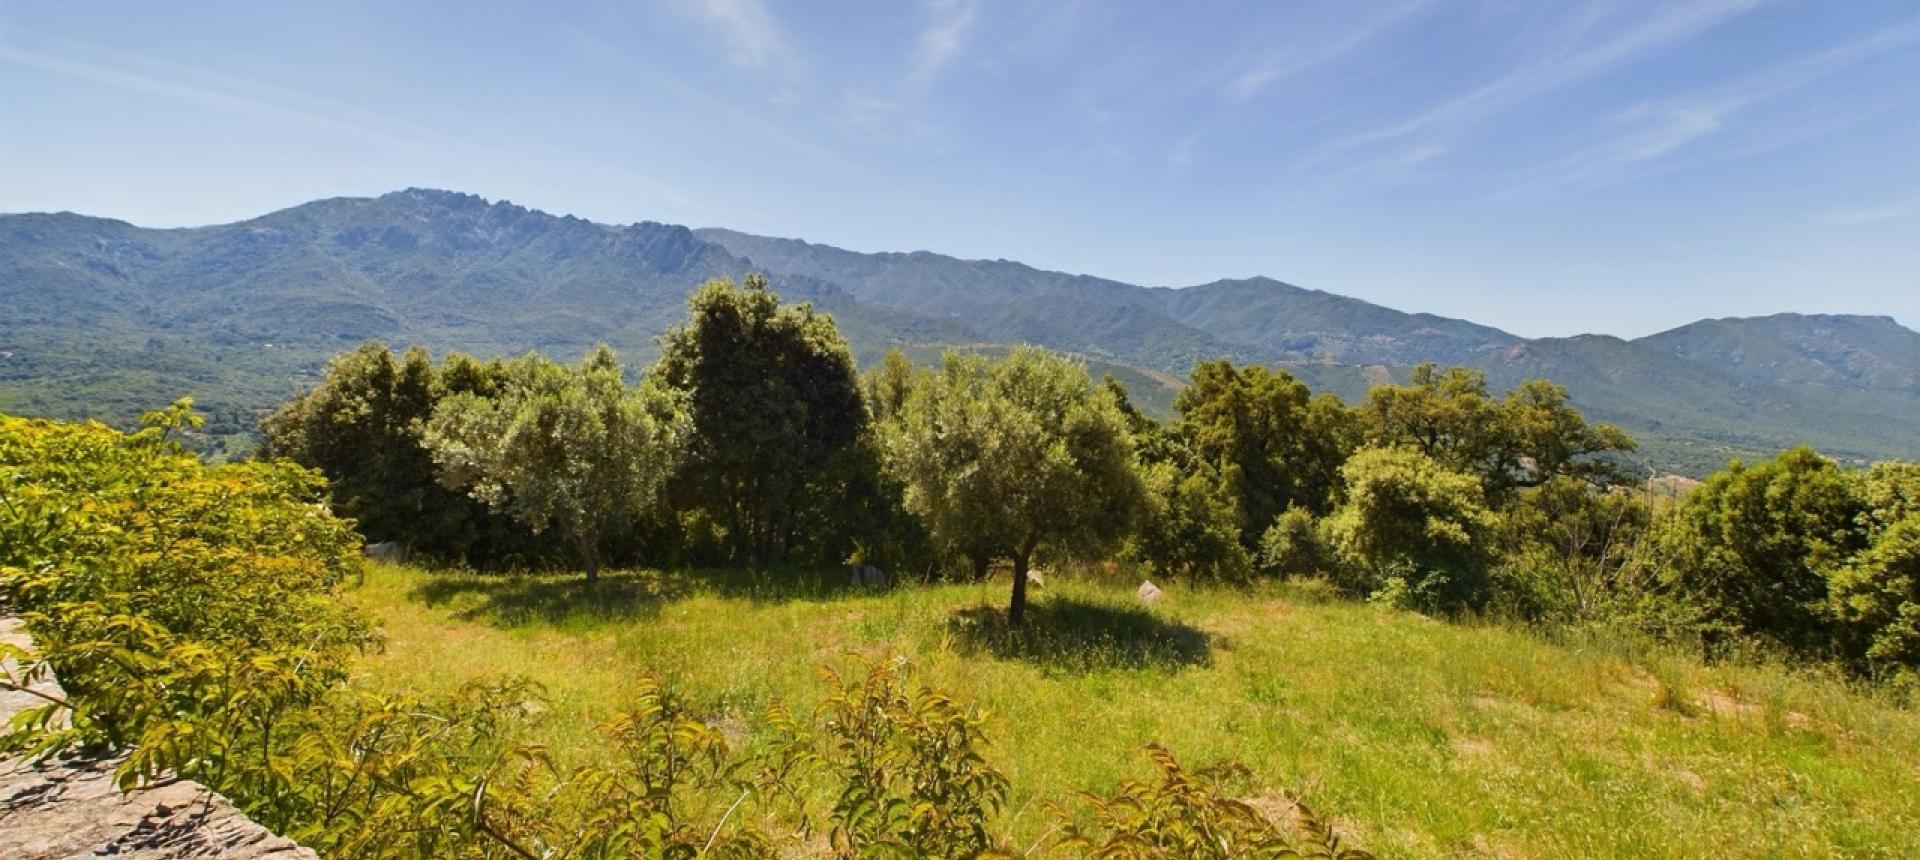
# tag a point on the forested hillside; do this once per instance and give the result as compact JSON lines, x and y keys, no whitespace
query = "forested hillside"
{"x":104,"y":318}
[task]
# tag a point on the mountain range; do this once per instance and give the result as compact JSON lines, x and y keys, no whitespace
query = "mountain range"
{"x":103,"y":318}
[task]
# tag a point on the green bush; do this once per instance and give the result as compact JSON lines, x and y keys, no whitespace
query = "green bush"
{"x":1193,"y":814}
{"x":908,"y":758}
{"x":1874,"y":597}
{"x":1189,"y":527}
{"x":1293,"y":546}
{"x":1407,"y":518}
{"x":1746,"y":553}
{"x":1573,"y":552}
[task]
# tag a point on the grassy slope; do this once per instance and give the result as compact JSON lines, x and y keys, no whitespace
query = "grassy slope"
{"x":1420,"y":738}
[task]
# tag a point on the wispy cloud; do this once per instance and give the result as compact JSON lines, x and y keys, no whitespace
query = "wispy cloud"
{"x":752,"y":36}
{"x":1672,"y":23}
{"x":243,"y":98}
{"x":949,"y":23}
{"x":1293,"y":59}
{"x":885,"y":109}
{"x":1870,"y":214}
{"x":1654,"y":130}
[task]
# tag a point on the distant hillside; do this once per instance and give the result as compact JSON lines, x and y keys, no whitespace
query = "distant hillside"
{"x":104,"y":318}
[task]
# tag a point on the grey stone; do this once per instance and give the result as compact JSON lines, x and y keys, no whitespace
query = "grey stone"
{"x":68,"y":808}
{"x":385,"y":550}
{"x":867,"y":576}
{"x":1149,"y":593}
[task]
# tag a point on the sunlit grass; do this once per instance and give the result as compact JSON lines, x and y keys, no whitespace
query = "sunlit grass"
{"x":1417,"y":737}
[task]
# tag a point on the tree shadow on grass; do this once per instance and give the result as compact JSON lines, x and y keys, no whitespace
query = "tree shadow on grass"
{"x":511,"y":600}
{"x":1065,"y":634}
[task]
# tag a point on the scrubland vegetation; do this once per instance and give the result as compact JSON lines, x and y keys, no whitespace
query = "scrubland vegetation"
{"x":1441,"y":621}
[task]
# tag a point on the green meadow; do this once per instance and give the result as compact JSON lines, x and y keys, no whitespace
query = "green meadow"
{"x":1415,"y":737}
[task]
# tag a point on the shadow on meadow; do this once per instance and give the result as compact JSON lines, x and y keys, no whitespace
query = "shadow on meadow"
{"x":518,"y":599}
{"x":1073,"y":635}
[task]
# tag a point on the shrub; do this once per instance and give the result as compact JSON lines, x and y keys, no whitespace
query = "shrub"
{"x":909,"y":761}
{"x":670,"y":791}
{"x":1192,"y":814}
{"x":1293,"y":546}
{"x":1874,"y":598}
{"x":163,"y":590}
{"x":1405,"y":517}
{"x":1745,"y":553}
{"x":1189,"y":527}
{"x":1574,"y":552}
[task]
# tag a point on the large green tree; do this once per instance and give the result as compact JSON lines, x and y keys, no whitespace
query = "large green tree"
{"x":1015,"y":455}
{"x":1523,"y":440}
{"x":1747,"y":551}
{"x":363,"y":427}
{"x":1272,"y":442}
{"x":1874,"y":598}
{"x":780,"y":435}
{"x":574,"y":448}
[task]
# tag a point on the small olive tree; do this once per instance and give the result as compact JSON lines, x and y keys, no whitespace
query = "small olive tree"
{"x":572,"y":447}
{"x":1016,"y":454}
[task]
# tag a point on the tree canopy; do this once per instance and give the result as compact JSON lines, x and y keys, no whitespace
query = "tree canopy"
{"x":779,"y":427}
{"x":572,"y":447}
{"x":1523,"y":440}
{"x":1015,"y":455}
{"x":1274,"y":444}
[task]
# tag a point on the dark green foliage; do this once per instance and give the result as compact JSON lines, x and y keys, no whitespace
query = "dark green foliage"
{"x":1798,"y":552}
{"x":1412,"y":528}
{"x":1524,"y":440}
{"x":1293,"y":546}
{"x":363,"y":426}
{"x":1194,"y":814}
{"x":1746,"y":551}
{"x":780,"y":435}
{"x":1274,"y":444}
{"x":1189,"y":527}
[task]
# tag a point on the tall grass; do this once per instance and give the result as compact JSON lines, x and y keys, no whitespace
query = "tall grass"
{"x":1414,"y":736}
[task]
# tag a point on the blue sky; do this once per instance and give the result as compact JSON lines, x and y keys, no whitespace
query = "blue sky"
{"x":1547,"y":167}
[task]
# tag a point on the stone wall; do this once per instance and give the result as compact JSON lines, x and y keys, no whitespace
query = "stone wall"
{"x":69,"y":808}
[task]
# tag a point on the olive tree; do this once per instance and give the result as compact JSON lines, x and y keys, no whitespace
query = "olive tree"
{"x":574,"y":448}
{"x":1015,"y":455}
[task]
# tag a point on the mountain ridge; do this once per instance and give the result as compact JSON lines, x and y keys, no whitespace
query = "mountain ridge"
{"x":109,"y":312}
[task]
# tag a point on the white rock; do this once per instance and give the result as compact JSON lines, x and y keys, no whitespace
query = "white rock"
{"x":1149,"y":593}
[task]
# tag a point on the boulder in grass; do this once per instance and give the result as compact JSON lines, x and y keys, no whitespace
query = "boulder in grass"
{"x":386,"y":550}
{"x":1149,"y":593}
